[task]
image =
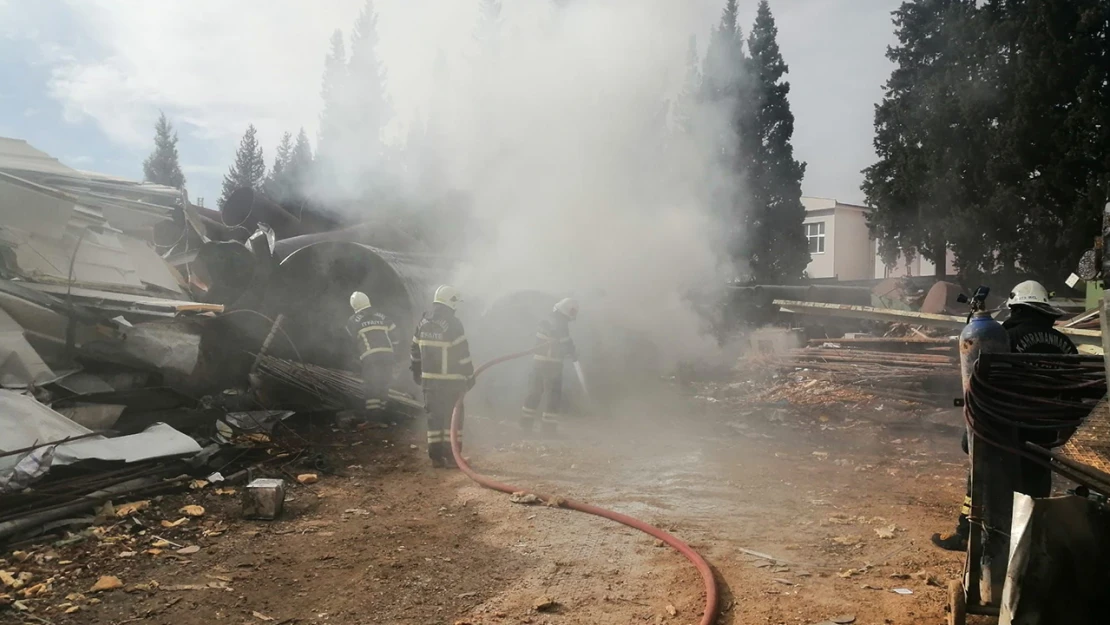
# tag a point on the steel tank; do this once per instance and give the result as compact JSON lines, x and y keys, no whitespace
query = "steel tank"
{"x":982,"y":334}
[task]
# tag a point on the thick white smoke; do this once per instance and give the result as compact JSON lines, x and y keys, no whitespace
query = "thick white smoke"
{"x":555,"y":124}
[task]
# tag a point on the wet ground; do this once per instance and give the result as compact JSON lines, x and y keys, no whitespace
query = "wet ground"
{"x":804,"y":515}
{"x":843,"y":509}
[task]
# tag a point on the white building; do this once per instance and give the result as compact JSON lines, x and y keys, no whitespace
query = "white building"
{"x":841,"y":247}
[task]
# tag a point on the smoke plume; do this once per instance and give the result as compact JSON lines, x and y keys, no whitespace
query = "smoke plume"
{"x":555,"y":122}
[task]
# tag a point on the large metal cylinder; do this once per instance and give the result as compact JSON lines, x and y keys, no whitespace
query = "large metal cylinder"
{"x":312,"y":288}
{"x":381,"y":236}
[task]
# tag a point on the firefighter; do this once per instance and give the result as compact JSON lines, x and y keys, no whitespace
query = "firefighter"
{"x":375,"y":335}
{"x":553,"y":346}
{"x":441,"y":365}
{"x":1031,"y":328}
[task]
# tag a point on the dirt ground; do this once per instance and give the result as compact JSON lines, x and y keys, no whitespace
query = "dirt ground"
{"x":807,"y":513}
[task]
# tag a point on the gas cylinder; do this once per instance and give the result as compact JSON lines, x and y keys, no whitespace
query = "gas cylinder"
{"x":982,"y":334}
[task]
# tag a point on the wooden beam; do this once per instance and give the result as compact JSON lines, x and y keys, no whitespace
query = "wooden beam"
{"x":951,"y":322}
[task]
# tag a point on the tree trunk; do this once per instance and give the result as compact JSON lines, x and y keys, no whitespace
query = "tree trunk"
{"x":941,"y":262}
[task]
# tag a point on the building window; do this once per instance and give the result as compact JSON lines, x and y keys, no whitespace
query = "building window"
{"x":815,"y":234}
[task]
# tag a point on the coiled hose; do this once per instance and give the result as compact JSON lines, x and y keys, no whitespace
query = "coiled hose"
{"x":1028,"y":404}
{"x":709,"y":615}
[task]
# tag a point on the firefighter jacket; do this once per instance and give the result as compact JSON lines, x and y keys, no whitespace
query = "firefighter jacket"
{"x":1035,"y":333}
{"x":440,"y":352}
{"x":553,"y":342}
{"x":374,"y":333}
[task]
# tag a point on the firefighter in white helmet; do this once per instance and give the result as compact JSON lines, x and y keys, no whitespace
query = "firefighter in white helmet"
{"x":441,"y":364}
{"x":375,"y":335}
{"x":1031,"y":327}
{"x":553,"y":346}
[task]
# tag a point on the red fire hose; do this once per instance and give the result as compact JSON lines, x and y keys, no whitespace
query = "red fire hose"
{"x":709,"y":616}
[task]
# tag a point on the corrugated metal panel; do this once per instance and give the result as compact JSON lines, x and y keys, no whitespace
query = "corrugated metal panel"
{"x":33,"y":208}
{"x":18,"y":155}
{"x":65,"y":226}
{"x":100,"y":259}
{"x":152,"y":268}
{"x":20,"y":364}
{"x":103,"y":258}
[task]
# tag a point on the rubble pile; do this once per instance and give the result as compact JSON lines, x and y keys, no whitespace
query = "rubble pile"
{"x":148,"y":345}
{"x":831,"y":370}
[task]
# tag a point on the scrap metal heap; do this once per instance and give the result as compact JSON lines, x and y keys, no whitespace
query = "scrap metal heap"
{"x":147,"y":343}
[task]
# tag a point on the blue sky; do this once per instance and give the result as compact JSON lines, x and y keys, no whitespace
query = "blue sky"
{"x":84,"y":80}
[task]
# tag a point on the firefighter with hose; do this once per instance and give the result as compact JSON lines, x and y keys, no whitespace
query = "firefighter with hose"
{"x":375,"y":334}
{"x":441,"y":364}
{"x":1031,"y":329}
{"x":553,"y":346}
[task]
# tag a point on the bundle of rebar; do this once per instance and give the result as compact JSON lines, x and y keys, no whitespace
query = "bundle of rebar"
{"x":330,"y":389}
{"x":333,"y":388}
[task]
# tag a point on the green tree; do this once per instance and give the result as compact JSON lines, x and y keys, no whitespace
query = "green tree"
{"x":725,"y":62}
{"x":299,"y":167}
{"x":368,"y":99}
{"x":932,"y":135}
{"x":686,"y":103}
{"x":333,"y":91}
{"x":776,"y":245}
{"x":277,"y":184}
{"x":162,"y":166}
{"x":249,"y":169}
{"x":1051,"y":165}
{"x":722,"y":92}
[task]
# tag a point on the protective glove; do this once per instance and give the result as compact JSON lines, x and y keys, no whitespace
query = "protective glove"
{"x":417,"y":376}
{"x":470,"y":382}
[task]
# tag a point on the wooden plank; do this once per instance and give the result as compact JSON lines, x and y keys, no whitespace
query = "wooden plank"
{"x":952,"y":322}
{"x":891,"y":340}
{"x":870,"y":313}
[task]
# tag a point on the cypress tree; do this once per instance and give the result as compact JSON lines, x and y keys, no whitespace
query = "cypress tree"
{"x":249,"y":169}
{"x":162,"y":166}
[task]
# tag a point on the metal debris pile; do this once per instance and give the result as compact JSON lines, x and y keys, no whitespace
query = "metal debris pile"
{"x":148,"y":343}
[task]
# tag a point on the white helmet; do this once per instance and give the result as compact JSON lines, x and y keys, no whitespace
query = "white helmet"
{"x":448,"y":296}
{"x":359,"y":301}
{"x":568,"y":308}
{"x":1033,"y":294}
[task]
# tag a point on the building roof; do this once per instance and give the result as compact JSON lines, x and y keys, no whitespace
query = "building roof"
{"x":824,"y":203}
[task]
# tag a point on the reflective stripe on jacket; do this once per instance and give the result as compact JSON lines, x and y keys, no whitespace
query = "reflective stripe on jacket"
{"x":440,"y":348}
{"x":373,"y":331}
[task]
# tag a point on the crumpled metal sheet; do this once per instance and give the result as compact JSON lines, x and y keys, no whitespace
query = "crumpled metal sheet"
{"x":29,"y":468}
{"x":20,"y":364}
{"x":25,"y":422}
{"x":157,"y":441}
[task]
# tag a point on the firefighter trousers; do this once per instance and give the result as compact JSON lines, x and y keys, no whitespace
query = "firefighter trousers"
{"x":377,"y":375}
{"x":440,"y":404}
{"x":1034,"y":480}
{"x":547,"y":377}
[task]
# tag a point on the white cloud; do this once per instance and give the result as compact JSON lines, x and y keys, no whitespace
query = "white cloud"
{"x":216,"y":66}
{"x":203,"y":170}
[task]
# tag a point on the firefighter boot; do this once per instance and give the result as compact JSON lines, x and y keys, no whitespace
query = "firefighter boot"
{"x":950,"y":541}
{"x":549,"y":426}
{"x":527,"y":419}
{"x":957,"y":540}
{"x":436,"y":453}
